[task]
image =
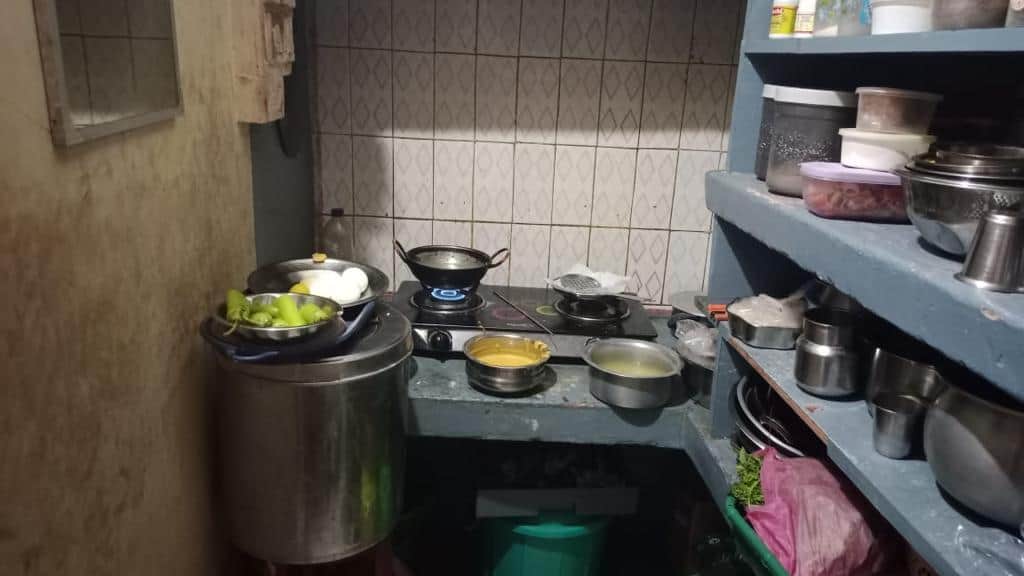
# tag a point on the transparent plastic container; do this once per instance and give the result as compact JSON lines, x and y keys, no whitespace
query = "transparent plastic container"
{"x":895,"y":111}
{"x":832,"y":190}
{"x":900,"y":16}
{"x":826,"y":18}
{"x":336,"y":235}
{"x":958,"y":14}
{"x":855,"y":18}
{"x":764,"y":138}
{"x":1015,"y":14}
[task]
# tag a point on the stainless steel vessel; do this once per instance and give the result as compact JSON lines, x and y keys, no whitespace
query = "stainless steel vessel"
{"x":503,"y":380}
{"x":826,"y":358}
{"x":312,"y":454}
{"x":632,"y":373}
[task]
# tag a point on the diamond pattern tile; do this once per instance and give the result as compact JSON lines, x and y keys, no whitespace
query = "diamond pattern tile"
{"x":490,"y":238}
{"x":492,"y":182}
{"x":333,"y":113}
{"x":715,"y":31}
{"x":628,"y":26}
{"x":574,"y":185}
{"x":413,"y":25}
{"x":335,"y":163}
{"x":369,"y":23}
{"x":414,"y":95}
{"x":645,"y":265}
{"x":411,"y":233}
{"x":584,"y":28}
{"x":687,"y":256}
{"x":373,"y":165}
{"x":414,"y":178}
{"x":498,"y":27}
{"x":569,"y":246}
{"x":707,"y":98}
{"x":542,"y":28}
{"x":578,"y":102}
{"x":374,"y":243}
{"x":453,"y":233}
{"x":664,"y":93}
{"x":534,"y":178}
{"x":608,"y":250}
{"x":689,"y":209}
{"x":454,"y":82}
{"x":530,"y":248}
{"x":495,"y":98}
{"x":613,"y":186}
{"x":453,"y":180}
{"x":455,"y":26}
{"x":671,"y":30}
{"x":621,"y":100}
{"x":652,"y":199}
{"x":537,"y":100}
{"x":371,"y":92}
{"x":332,"y":22}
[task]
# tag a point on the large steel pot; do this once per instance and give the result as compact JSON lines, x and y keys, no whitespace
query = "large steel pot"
{"x":312,"y":454}
{"x":974,"y":448}
{"x":449,"y":267}
{"x":632,"y":373}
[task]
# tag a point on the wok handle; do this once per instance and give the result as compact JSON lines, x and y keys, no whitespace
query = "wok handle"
{"x":400,"y":250}
{"x":491,"y":263}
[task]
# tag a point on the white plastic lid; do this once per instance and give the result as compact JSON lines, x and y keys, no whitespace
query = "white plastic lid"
{"x":836,"y":172}
{"x":893,"y":137}
{"x":816,"y":97}
{"x":897,"y":93}
{"x":769,"y":91}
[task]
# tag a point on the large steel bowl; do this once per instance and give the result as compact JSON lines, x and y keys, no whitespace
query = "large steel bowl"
{"x":281,"y":334}
{"x":974,"y":448}
{"x":280,"y":276}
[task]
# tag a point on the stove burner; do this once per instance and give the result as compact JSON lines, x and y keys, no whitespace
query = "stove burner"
{"x":443,"y":301}
{"x":593,"y":312}
{"x":448,"y":295}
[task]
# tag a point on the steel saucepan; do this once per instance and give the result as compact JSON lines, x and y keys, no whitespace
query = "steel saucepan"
{"x":632,"y":373}
{"x":449,"y":267}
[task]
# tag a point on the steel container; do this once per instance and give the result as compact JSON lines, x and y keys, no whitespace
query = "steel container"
{"x":311,"y":455}
{"x":613,"y":385}
{"x":450,"y":267}
{"x":826,"y":356}
{"x":505,"y":379}
{"x":280,"y":276}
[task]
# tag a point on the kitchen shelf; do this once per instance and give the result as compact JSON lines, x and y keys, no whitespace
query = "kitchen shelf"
{"x":885,"y":268}
{"x":988,"y":40}
{"x":903,"y":491}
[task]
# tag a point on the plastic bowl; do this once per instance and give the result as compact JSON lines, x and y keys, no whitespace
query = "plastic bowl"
{"x":898,"y":111}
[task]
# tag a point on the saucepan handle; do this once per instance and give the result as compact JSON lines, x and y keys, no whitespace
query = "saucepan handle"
{"x":504,"y":256}
{"x":400,"y":250}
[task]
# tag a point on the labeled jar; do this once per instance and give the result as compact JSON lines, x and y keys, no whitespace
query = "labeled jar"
{"x":783,"y":18}
{"x":804,"y":27}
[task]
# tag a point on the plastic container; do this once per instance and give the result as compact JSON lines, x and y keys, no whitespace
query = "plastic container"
{"x":826,"y":18}
{"x":855,"y":18}
{"x":958,"y":14}
{"x":804,"y":26}
{"x":336,"y":235}
{"x":805,"y":129}
{"x":749,"y":545}
{"x":1015,"y":14}
{"x":783,"y":19}
{"x":764,"y":137}
{"x":896,"y":111}
{"x":547,"y":545}
{"x":832,"y":190}
{"x":881,"y":151}
{"x":900,"y":16}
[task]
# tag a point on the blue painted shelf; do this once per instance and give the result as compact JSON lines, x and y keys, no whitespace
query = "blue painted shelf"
{"x":903,"y":491}
{"x":954,"y":41}
{"x":888,"y":271}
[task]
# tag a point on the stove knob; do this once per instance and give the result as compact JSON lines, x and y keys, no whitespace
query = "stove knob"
{"x":440,"y":341}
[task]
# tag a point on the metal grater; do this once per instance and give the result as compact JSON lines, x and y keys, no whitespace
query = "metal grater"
{"x":579,"y":283}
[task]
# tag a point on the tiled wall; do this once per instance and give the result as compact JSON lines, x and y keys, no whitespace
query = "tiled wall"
{"x":569,"y":131}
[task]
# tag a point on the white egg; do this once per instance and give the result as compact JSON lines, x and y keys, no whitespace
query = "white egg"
{"x":356,"y":276}
{"x":349,"y":292}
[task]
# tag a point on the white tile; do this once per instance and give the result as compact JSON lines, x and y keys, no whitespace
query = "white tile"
{"x":689,"y":209}
{"x":453,"y":180}
{"x":628,"y":24}
{"x":490,"y":238}
{"x":613,"y":186}
{"x":578,"y":102}
{"x":369,"y":23}
{"x":371,"y":92}
{"x":652,"y":199}
{"x":621,"y":100}
{"x":687,"y":258}
{"x":373,"y":167}
{"x":495,"y":98}
{"x":414,"y":95}
{"x":645,"y":265}
{"x":574,"y":185}
{"x":671,"y":30}
{"x":542,"y":28}
{"x":715,"y":31}
{"x":333,"y":113}
{"x":332,"y":22}
{"x":664,"y":94}
{"x":498,"y":27}
{"x":569,"y":246}
{"x":411,"y":233}
{"x":707,"y":97}
{"x":492,"y":181}
{"x":335,"y":162}
{"x":584,"y":29}
{"x":537,"y":101}
{"x":454,"y":79}
{"x":530,"y":248}
{"x":413,"y":26}
{"x":607,"y":251}
{"x":452,"y":233}
{"x":414,"y":178}
{"x":455,"y":29}
{"x":534,"y":178}
{"x":374,"y":243}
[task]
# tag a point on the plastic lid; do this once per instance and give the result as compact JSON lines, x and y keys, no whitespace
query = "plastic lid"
{"x":769,"y":91}
{"x":836,"y":172}
{"x":897,"y":93}
{"x":893,"y":137}
{"x":815,"y":97}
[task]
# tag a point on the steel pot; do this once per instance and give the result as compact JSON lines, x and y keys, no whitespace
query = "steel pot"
{"x":826,"y":357}
{"x":974,"y":448}
{"x":632,"y":373}
{"x":497,"y":379}
{"x":449,"y":267}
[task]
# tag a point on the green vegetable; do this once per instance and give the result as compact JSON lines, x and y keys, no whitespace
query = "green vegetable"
{"x":237,"y":307}
{"x":261,"y":319}
{"x":747,"y":489}
{"x":278,"y":323}
{"x":328,"y":310}
{"x":312,"y":313}
{"x":268,"y":308}
{"x":288,"y":311}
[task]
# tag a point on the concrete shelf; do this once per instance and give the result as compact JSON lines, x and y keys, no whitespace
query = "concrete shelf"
{"x":951,"y":41}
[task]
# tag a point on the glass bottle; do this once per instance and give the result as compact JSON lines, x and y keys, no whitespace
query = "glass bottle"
{"x":336,"y":235}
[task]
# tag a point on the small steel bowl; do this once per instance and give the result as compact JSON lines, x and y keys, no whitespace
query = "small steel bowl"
{"x":614,"y":386}
{"x":283,"y":334}
{"x":493,"y":377}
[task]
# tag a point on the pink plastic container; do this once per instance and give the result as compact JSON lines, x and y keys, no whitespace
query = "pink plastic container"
{"x":832,"y":190}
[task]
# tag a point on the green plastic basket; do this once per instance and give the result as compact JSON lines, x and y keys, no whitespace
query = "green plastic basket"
{"x":545,"y":546}
{"x":749,"y":545}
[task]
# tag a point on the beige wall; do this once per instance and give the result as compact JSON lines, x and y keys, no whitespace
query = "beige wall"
{"x":110,"y":255}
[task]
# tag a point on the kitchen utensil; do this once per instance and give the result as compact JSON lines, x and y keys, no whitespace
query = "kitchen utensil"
{"x":903,"y":374}
{"x":895,"y":111}
{"x":597,"y":294}
{"x":746,"y":438}
{"x":826,"y":356}
{"x":830,"y":327}
{"x":280,"y":276}
{"x":972,"y":441}
{"x":832,"y":190}
{"x":946,"y":210}
{"x":697,"y":382}
{"x":757,"y":329}
{"x":1000,"y":164}
{"x":959,"y":14}
{"x":763,"y":336}
{"x":484,"y":366}
{"x":282,"y":334}
{"x":900,"y":16}
{"x":831,"y":297}
{"x":578,"y":282}
{"x":756,"y":423}
{"x":897,"y":424}
{"x":881,"y":150}
{"x":995,"y":260}
{"x":764,"y":137}
{"x":449,"y":267}
{"x":632,"y":373}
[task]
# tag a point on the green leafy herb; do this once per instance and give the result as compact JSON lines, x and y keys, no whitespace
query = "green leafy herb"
{"x":747,"y":489}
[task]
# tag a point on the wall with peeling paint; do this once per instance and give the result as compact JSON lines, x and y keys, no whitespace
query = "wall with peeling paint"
{"x":111,"y":254}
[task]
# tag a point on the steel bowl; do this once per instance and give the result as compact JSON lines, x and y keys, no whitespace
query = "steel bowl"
{"x":902,"y":373}
{"x":775,"y":337}
{"x":281,"y":276}
{"x":613,"y":381}
{"x":283,"y":334}
{"x":755,"y":423}
{"x":946,"y":210}
{"x":493,"y":377}
{"x":973,"y":445}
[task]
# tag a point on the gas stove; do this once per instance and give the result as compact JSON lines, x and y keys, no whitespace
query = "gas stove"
{"x":443,"y":320}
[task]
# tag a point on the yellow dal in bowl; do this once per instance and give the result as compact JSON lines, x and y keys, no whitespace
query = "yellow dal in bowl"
{"x":507,"y":352}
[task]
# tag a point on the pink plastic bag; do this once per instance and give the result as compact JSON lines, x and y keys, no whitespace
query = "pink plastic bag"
{"x":815,"y":523}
